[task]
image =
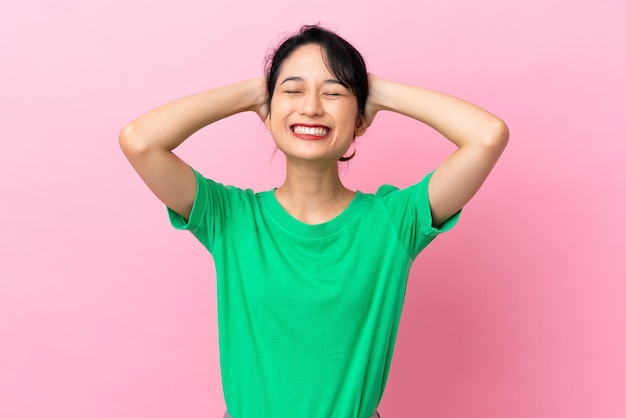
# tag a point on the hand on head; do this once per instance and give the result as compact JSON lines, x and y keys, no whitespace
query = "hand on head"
{"x":371,"y":106}
{"x":262,"y":108}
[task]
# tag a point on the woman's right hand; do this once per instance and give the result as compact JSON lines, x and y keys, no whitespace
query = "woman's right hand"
{"x":261,"y":108}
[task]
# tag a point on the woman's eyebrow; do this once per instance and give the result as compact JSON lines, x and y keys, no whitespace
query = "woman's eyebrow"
{"x":334,"y":81}
{"x":301,"y":79}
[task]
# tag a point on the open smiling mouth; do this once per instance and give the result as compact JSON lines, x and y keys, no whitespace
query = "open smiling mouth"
{"x":310,"y":131}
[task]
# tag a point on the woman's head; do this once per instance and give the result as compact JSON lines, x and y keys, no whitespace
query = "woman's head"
{"x":341,"y":59}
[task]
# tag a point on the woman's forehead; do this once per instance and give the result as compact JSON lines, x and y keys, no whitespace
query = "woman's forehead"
{"x":304,"y":63}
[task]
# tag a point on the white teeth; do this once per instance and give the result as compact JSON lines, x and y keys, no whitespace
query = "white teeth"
{"x":306,"y":130}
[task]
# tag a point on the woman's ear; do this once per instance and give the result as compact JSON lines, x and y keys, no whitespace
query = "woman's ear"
{"x":361,"y":126}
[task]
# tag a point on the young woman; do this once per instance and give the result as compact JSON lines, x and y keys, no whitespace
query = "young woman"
{"x":311,"y":276}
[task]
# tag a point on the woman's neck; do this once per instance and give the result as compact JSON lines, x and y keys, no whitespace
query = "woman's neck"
{"x":313,"y":193}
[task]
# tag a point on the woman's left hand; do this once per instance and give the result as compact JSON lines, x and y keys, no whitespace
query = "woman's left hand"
{"x":372,"y":105}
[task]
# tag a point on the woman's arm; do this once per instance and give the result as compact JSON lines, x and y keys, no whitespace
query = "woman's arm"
{"x":480,"y":137}
{"x":148,"y":141}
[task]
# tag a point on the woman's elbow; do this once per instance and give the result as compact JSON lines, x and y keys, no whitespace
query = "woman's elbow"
{"x":130,"y":142}
{"x":497,"y":135}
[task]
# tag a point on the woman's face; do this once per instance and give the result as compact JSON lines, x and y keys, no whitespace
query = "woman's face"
{"x":313,"y":117}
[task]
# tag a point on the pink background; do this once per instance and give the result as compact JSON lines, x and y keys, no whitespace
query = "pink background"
{"x":105,"y":311}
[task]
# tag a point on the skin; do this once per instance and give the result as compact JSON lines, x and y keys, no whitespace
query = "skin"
{"x":307,"y":94}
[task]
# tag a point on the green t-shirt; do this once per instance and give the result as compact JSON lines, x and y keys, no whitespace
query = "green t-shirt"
{"x":308,"y":314}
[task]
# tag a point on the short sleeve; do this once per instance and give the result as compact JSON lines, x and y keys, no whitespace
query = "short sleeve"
{"x":425,"y":213}
{"x":213,"y":207}
{"x":409,"y":210}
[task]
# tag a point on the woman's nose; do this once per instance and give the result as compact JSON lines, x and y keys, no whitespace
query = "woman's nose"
{"x":311,"y":105}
